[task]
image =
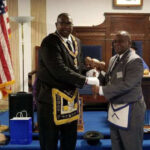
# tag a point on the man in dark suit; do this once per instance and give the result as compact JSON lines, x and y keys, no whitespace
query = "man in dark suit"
{"x":122,"y":87}
{"x":59,"y":76}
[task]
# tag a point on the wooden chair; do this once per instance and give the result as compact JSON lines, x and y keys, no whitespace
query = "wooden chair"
{"x":90,"y":102}
{"x":32,"y":74}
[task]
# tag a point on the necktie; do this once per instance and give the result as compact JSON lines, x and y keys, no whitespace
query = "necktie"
{"x":114,"y":64}
{"x":69,"y":46}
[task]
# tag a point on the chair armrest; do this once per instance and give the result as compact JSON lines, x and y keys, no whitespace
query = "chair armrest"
{"x":30,"y":75}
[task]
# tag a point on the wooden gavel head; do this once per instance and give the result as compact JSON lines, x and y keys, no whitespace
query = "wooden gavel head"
{"x":99,"y":65}
{"x":94,"y":64}
{"x":102,"y":65}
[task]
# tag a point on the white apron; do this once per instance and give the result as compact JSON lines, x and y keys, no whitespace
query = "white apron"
{"x":119,"y":115}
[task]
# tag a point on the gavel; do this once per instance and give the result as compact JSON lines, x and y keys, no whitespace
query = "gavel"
{"x":94,"y":64}
{"x":98,"y":65}
{"x":88,"y":62}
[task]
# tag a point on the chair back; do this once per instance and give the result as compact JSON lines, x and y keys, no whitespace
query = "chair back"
{"x":93,"y":51}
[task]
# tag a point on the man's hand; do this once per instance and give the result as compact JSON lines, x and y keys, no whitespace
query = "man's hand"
{"x":92,"y":81}
{"x":95,"y":85}
{"x":92,"y":73}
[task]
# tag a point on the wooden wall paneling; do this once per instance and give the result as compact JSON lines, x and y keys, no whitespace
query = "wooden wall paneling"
{"x":94,"y":35}
{"x":146,"y":53}
{"x":108,"y":41}
{"x":38,"y":26}
{"x":137,"y":24}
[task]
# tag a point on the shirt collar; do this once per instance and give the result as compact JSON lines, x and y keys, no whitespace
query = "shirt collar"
{"x":66,"y":39}
{"x":120,"y":56}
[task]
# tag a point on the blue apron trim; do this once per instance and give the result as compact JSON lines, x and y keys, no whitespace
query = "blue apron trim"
{"x":119,"y":107}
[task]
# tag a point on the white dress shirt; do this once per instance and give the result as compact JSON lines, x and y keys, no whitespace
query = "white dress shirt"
{"x":69,"y":40}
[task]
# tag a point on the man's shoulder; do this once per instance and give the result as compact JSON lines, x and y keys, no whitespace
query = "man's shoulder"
{"x":51,"y":38}
{"x":113,"y":57}
{"x":133,"y":55}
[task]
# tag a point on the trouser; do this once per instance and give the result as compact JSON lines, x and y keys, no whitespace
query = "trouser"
{"x":49,"y":133}
{"x":131,"y":138}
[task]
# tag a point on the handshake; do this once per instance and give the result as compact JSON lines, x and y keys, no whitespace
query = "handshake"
{"x":94,"y":66}
{"x":95,"y":83}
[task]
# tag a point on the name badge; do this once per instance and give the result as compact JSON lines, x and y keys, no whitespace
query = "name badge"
{"x":119,"y":75}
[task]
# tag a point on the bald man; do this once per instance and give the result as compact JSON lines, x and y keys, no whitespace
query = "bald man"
{"x":123,"y":90}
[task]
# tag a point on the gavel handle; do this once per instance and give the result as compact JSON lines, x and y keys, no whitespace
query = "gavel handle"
{"x":95,"y":95}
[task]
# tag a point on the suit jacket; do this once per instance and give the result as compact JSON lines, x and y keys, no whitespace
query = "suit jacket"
{"x":56,"y":67}
{"x":124,"y":86}
{"x":124,"y":81}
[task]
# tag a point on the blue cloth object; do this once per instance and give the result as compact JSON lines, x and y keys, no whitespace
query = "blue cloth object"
{"x":138,"y":45}
{"x":87,"y":90}
{"x":104,"y":144}
{"x":147,"y":117}
{"x":93,"y":120}
{"x":2,"y":7}
{"x":139,"y":51}
{"x":145,"y":65}
{"x":93,"y":51}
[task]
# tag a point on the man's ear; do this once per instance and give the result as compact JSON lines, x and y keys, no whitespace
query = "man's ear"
{"x":130,"y":43}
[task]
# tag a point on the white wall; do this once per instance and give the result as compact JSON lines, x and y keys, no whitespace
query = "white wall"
{"x":83,"y":12}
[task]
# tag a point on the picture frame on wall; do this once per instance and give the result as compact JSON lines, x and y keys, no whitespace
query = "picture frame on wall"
{"x":128,"y":3}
